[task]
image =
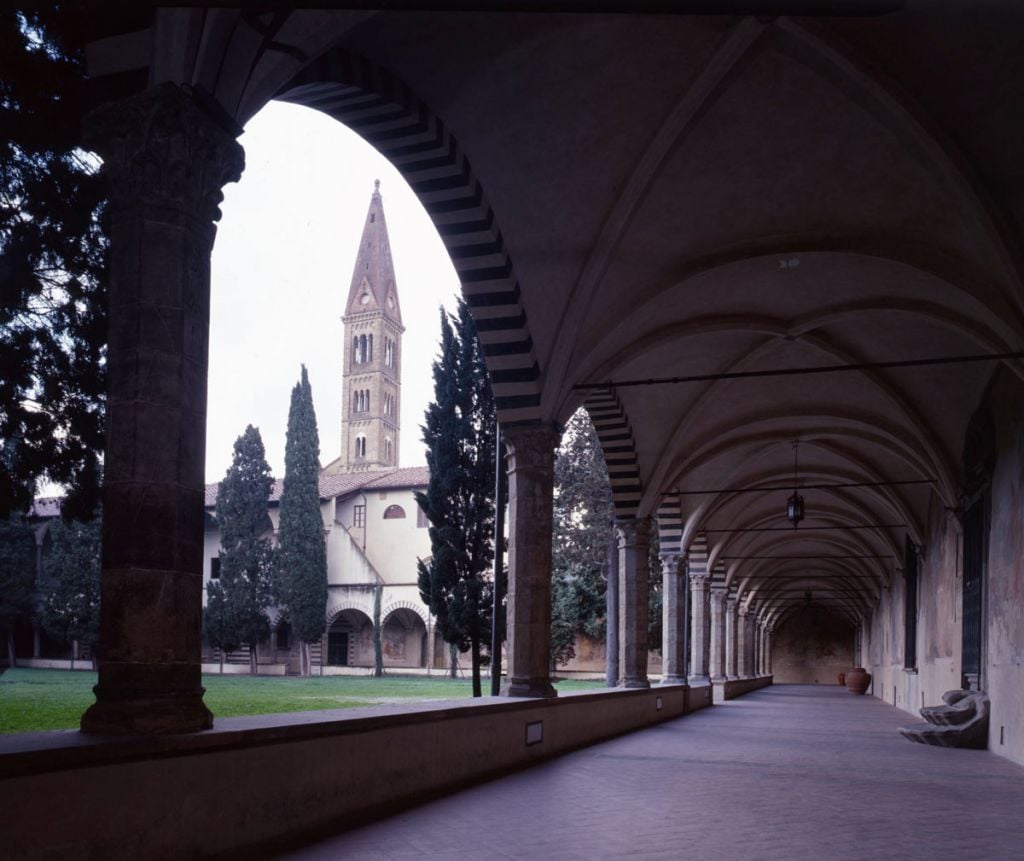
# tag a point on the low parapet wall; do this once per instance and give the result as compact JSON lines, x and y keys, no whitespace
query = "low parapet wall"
{"x":253,"y":784}
{"x":733,"y":688}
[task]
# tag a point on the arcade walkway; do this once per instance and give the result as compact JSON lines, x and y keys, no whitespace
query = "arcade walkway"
{"x":789,"y":772}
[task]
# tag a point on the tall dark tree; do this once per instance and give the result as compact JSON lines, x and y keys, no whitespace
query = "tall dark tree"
{"x":219,"y":628}
{"x":459,"y":502}
{"x":17,"y":578}
{"x":53,"y":264}
{"x":583,"y":525}
{"x":302,"y":553}
{"x":246,"y":555}
{"x":71,"y":566}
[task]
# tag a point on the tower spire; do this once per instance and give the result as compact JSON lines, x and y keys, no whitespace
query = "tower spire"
{"x":373,"y":278}
{"x":372,"y":374}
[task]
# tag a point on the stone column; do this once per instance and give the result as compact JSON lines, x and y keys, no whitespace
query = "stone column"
{"x":611,"y":643}
{"x":700,"y":600}
{"x":742,"y":634}
{"x":36,"y":637}
{"x":731,"y":605}
{"x":165,"y":160}
{"x":717,"y":654}
{"x":634,"y":546}
{"x":758,"y":630}
{"x":431,"y":648}
{"x":768,"y":650}
{"x":531,"y":460}
{"x":673,"y":621}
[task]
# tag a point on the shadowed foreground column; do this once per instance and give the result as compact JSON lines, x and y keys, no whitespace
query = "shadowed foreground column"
{"x":531,"y":466}
{"x":742,"y":636}
{"x":634,"y":538}
{"x":166,"y":162}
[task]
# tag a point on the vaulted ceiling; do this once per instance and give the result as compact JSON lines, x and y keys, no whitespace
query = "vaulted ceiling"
{"x":634,"y":197}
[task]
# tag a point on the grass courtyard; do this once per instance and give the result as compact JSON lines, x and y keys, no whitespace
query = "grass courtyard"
{"x":33,"y":700}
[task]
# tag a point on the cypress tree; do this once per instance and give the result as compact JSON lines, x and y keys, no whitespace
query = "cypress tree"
{"x":459,"y":502}
{"x":246,"y":556}
{"x":71,"y":607}
{"x":17,"y":577}
{"x":302,"y":553}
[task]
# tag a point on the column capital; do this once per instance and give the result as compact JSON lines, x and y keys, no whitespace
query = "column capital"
{"x":742,"y":611}
{"x":717,"y":595}
{"x":670,"y":562}
{"x":162,"y":151}
{"x":731,"y":601}
{"x":633,"y":531}
{"x":530,"y":445}
{"x":700,"y":579}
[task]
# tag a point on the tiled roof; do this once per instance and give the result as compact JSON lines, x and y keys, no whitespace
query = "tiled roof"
{"x":332,"y":486}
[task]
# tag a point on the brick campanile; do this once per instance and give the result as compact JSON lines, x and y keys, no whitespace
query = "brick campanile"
{"x":372,"y":343}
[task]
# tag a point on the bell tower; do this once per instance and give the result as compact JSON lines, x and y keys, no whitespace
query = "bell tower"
{"x":372,"y":342}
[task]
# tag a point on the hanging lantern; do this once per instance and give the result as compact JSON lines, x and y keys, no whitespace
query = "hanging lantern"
{"x":795,"y":509}
{"x":795,"y":505}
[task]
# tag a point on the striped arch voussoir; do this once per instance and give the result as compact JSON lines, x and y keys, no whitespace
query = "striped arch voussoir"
{"x":389,"y":116}
{"x":616,"y":438}
{"x":670,"y":527}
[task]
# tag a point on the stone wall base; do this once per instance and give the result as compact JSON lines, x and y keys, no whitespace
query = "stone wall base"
{"x":254,"y":785}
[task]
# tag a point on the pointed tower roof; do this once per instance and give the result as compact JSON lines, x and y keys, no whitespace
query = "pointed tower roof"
{"x":373,"y":279}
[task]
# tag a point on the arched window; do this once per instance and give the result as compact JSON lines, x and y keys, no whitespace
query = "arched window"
{"x":366,"y":400}
{"x":360,"y":446}
{"x":355,"y":402}
{"x":394,"y":512}
{"x":369,"y":351}
{"x":387,"y":450}
{"x":362,"y":350}
{"x":355,"y":351}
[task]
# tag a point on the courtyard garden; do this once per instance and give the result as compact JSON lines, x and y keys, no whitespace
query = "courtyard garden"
{"x":33,"y":699}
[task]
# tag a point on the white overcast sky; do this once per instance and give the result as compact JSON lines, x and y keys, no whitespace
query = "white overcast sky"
{"x":282,"y":264}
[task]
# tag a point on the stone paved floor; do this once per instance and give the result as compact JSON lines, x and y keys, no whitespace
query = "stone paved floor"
{"x":789,"y":772}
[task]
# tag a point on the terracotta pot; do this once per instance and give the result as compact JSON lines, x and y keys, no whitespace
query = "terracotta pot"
{"x":857,"y":680}
{"x":842,"y":678}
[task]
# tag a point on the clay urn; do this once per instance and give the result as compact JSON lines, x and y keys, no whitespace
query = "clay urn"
{"x":857,"y":680}
{"x":842,"y":678}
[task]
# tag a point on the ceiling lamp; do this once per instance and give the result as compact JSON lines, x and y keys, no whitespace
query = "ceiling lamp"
{"x":795,"y":505}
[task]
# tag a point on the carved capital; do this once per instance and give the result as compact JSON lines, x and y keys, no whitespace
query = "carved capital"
{"x":633,"y":532}
{"x":161,"y":151}
{"x":530,"y":446}
{"x":700,"y":579}
{"x":717,"y":595}
{"x":670,"y":563}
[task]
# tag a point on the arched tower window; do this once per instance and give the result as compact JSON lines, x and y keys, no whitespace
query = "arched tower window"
{"x":362,"y":350}
{"x":360,"y":446}
{"x":369,"y":351}
{"x":387,"y":450}
{"x":355,"y":402}
{"x":355,"y":351}
{"x":394,"y":512}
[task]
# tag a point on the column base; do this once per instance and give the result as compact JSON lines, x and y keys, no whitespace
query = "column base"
{"x":674,"y":680}
{"x":536,"y":688}
{"x":634,"y":682}
{"x":718,"y":679}
{"x":697,"y":681}
{"x":165,"y":715}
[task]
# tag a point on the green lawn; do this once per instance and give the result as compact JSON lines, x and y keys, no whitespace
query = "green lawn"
{"x":55,"y":699}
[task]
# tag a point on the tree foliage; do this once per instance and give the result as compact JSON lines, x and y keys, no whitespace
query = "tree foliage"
{"x":71,"y":566}
{"x":53,"y":265}
{"x":240,"y":599}
{"x":17,"y":577}
{"x":302,"y":553}
{"x":583,"y":526}
{"x":459,"y":431}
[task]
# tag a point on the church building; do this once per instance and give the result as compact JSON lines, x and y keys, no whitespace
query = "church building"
{"x":374,"y":530}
